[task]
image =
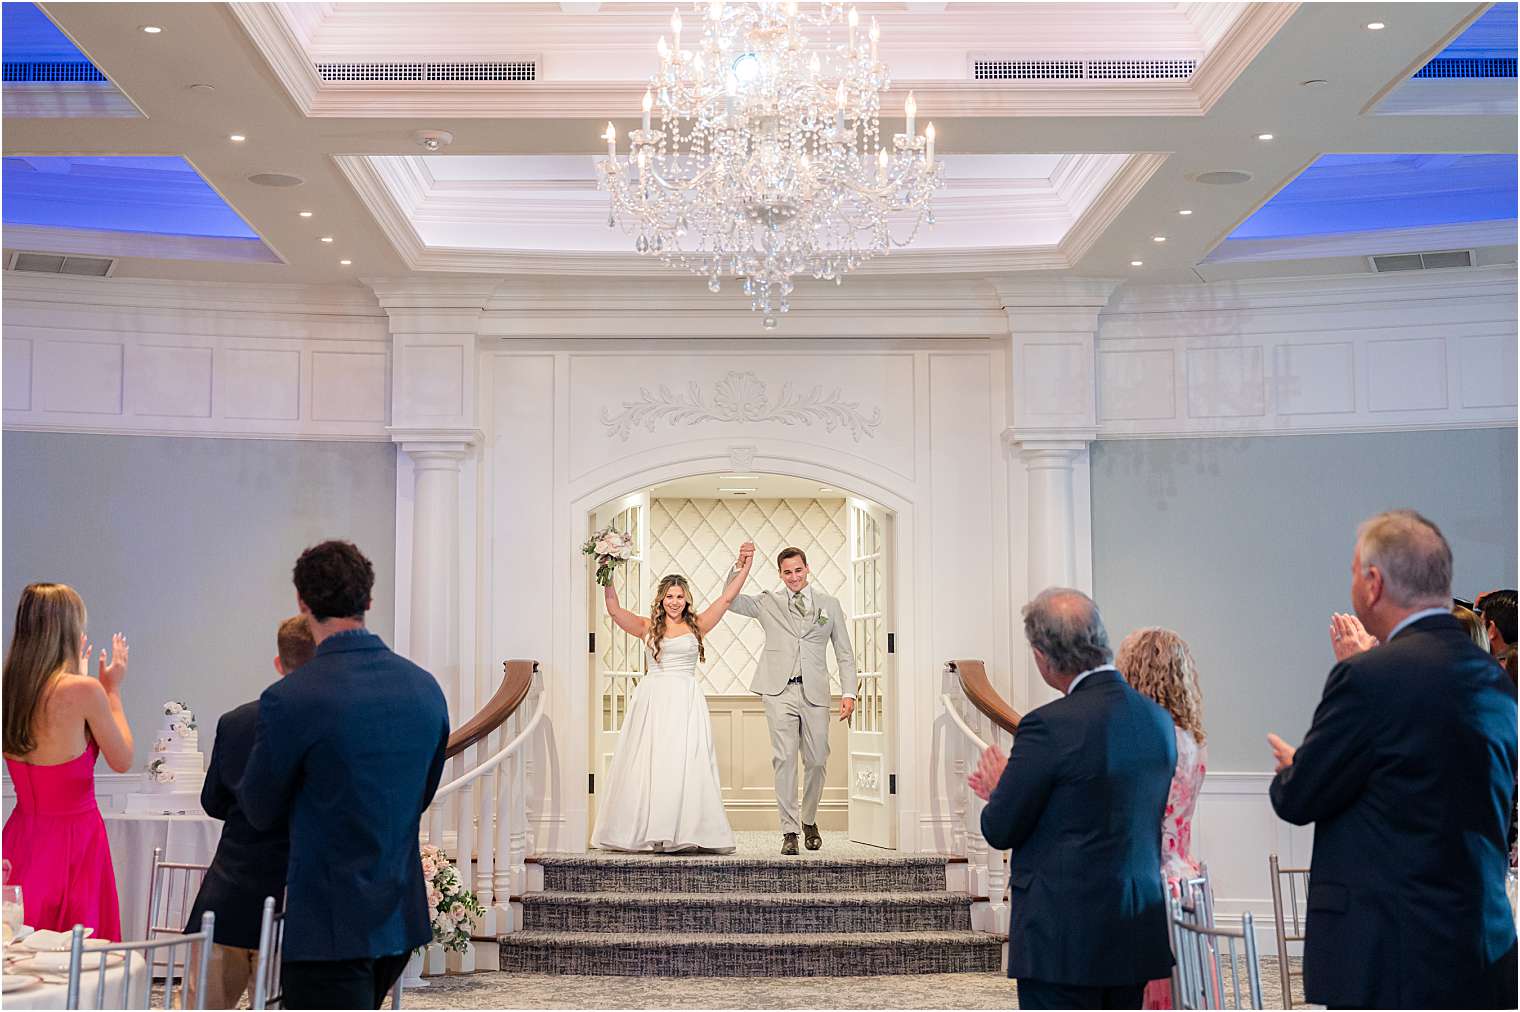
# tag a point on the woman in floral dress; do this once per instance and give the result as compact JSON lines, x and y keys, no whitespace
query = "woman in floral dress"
{"x":1158,"y":663}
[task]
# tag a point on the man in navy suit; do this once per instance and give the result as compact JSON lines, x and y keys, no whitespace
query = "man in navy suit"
{"x":249,"y":863}
{"x":1080,"y":803}
{"x":1408,"y":774}
{"x":350,"y":748}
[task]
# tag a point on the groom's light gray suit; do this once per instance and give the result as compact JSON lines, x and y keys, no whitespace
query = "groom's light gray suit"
{"x":798,"y":714}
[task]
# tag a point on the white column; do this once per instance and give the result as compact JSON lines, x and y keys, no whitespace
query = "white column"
{"x":434,"y":642}
{"x":1052,"y":326}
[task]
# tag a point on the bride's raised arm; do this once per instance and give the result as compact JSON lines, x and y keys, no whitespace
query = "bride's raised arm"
{"x":634,"y":625}
{"x":736,"y":578}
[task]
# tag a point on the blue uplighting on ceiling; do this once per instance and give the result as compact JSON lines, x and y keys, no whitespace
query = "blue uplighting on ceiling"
{"x":1365,"y":193}
{"x":1485,"y":49}
{"x":31,"y":37}
{"x":160,"y":195}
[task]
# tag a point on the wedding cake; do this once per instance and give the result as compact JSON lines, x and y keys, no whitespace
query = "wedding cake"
{"x":176,"y":769}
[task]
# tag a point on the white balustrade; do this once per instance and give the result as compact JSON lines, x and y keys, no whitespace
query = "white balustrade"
{"x":481,"y":819}
{"x":988,"y":868}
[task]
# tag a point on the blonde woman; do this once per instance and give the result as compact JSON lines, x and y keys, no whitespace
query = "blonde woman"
{"x":663,"y":792}
{"x":1158,"y":664}
{"x":57,"y":720}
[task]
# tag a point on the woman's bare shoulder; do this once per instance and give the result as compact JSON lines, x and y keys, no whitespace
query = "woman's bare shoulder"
{"x":76,"y":690}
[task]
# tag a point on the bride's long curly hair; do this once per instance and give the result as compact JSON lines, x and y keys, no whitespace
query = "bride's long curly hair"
{"x":1157,"y":663}
{"x":657,"y":617}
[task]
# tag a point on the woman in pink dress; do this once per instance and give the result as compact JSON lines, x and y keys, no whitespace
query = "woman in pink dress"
{"x":57,"y":720}
{"x":1158,"y":664}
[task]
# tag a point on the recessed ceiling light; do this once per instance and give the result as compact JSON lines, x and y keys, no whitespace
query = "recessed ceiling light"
{"x":1184,"y":212}
{"x":826,"y":488}
{"x":1158,"y":238}
{"x":304,"y":214}
{"x":237,"y":138}
{"x":737,"y":491}
{"x":1263,"y":137}
{"x":1375,"y":26}
{"x":327,"y":238}
{"x":151,"y":29}
{"x":344,"y":263}
{"x":1137,"y":263}
{"x":738,"y":477}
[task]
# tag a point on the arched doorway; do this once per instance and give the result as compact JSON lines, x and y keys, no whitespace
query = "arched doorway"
{"x":693,"y":524}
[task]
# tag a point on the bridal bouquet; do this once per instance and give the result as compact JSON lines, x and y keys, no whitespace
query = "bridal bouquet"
{"x":452,"y":908}
{"x":610,"y":548}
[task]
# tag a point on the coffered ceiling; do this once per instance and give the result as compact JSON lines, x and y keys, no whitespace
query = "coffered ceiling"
{"x":1046,"y":172}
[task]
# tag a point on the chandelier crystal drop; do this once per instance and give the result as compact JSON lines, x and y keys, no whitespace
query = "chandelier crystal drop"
{"x":768,"y":163}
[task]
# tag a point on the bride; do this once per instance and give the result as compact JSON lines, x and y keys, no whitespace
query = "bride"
{"x":663,"y":793}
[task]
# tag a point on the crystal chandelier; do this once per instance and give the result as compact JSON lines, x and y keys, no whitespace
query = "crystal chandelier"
{"x":768,"y":161}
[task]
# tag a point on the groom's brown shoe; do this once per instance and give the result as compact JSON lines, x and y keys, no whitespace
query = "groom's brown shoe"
{"x":789,"y":844}
{"x":811,"y":837}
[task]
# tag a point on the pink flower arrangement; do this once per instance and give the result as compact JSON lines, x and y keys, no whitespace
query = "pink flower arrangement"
{"x":610,"y":548}
{"x":452,"y":908}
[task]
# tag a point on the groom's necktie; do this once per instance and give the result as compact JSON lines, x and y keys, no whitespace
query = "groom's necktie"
{"x":797,"y":605}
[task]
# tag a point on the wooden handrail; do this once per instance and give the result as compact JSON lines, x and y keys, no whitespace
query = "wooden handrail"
{"x":978,"y":689}
{"x":517,"y":676}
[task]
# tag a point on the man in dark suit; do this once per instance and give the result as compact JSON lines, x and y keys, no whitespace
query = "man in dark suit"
{"x":350,"y":749}
{"x":250,"y":863}
{"x":1080,"y":803}
{"x":1408,"y":773}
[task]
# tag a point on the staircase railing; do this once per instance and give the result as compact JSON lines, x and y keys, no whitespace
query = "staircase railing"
{"x":981,"y":718}
{"x":485,"y":809}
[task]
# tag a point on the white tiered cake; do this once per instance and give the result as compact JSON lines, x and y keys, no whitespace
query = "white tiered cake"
{"x":176,"y":769}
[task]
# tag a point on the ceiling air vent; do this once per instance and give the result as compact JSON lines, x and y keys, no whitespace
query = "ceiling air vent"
{"x":412,"y":73}
{"x":54,"y":263}
{"x":1468,"y":67}
{"x":1002,"y":68}
{"x":50,"y":72}
{"x":1390,"y":262}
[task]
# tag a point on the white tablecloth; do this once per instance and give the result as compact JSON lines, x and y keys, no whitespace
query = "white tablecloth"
{"x":188,"y":838}
{"x":53,"y":992}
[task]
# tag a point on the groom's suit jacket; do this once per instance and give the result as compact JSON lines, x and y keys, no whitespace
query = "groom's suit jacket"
{"x":788,"y":635}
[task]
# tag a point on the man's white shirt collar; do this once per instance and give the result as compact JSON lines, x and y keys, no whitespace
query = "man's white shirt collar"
{"x":1417,"y":616}
{"x":1090,"y":671}
{"x":807,"y":596}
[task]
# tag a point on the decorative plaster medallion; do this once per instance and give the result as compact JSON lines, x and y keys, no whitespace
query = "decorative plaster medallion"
{"x":741,"y":397}
{"x":866,"y":781}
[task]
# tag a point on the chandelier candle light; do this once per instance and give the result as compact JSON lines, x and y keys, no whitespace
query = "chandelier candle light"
{"x":768,"y":162}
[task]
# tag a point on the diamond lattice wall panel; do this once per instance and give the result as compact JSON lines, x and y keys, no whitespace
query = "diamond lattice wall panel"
{"x":700,"y":539}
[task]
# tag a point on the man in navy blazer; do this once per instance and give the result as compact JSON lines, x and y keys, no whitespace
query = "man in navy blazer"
{"x":1080,"y":803}
{"x":250,"y":863}
{"x":350,"y":748}
{"x":1408,"y":774}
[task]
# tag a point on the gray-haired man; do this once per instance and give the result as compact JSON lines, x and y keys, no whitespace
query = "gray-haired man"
{"x":793,"y":679}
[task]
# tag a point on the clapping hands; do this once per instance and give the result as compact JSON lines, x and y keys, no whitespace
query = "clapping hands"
{"x":989,"y":770}
{"x":1348,"y":637}
{"x":110,"y":675}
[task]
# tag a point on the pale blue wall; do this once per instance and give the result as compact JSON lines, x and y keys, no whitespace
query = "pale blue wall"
{"x":1244,"y":547}
{"x":186,"y":545}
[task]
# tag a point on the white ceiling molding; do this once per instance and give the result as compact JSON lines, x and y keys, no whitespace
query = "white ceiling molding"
{"x":1450,"y":97}
{"x":1242,"y":30}
{"x":103,"y":242}
{"x":349,"y":301}
{"x":1464,"y":235}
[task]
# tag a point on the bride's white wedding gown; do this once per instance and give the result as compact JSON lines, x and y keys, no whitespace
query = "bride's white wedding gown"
{"x":663,"y":792}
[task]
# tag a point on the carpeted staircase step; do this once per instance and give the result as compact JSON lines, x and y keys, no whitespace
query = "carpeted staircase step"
{"x":668,"y":873}
{"x":747,"y":913}
{"x":787,"y":954}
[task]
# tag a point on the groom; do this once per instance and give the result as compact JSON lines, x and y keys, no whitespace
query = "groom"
{"x":793,"y":678}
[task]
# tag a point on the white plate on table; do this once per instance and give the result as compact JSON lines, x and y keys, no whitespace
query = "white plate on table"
{"x":14,"y":982}
{"x":58,"y":962}
{"x":52,"y":941}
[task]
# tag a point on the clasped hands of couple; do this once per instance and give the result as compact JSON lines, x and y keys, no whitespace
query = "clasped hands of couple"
{"x":1348,"y":637}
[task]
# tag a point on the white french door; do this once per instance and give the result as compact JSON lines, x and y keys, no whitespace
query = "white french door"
{"x":617,"y":657}
{"x":873,"y":816}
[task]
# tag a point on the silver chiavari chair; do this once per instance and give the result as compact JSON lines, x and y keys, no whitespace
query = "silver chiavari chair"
{"x":172,"y":888}
{"x":1293,"y":911}
{"x":1209,"y":958}
{"x":267,"y":992}
{"x":186,"y":958}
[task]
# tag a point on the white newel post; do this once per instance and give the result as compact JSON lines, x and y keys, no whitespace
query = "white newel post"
{"x":1053,"y":329}
{"x":434,"y":332}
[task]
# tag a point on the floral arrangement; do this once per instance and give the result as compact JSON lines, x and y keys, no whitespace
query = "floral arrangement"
{"x":821,"y":619}
{"x":186,"y":716}
{"x":158,"y":773}
{"x":453,"y":909}
{"x":610,"y":548}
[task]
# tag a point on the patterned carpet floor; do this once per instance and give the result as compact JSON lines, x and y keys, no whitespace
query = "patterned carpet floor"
{"x":918,"y":991}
